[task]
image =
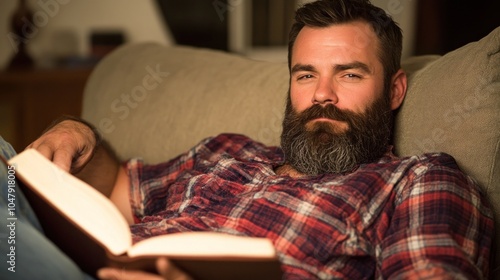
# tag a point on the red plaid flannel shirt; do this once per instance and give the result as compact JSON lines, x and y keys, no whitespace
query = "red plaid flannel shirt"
{"x":397,"y":217}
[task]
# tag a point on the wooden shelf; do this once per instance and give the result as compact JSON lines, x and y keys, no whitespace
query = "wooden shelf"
{"x":31,"y":100}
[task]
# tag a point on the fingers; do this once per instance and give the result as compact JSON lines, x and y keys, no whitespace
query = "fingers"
{"x":167,"y":271}
{"x":121,"y":274}
{"x":63,"y":158}
{"x":68,"y":144}
{"x":170,"y":271}
{"x":44,"y":150}
{"x":62,"y":155}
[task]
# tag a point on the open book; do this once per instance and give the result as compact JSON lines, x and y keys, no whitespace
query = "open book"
{"x":87,"y":226}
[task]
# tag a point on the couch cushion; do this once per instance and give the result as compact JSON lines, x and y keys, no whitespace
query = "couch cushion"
{"x":453,"y":106}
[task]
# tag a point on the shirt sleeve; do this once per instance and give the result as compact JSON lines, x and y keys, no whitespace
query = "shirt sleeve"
{"x":149,"y":184}
{"x":441,"y":228}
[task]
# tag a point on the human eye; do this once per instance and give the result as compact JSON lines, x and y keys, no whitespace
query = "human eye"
{"x":304,"y":77}
{"x":352,"y":76}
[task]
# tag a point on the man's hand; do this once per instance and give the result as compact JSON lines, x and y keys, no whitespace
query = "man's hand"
{"x":166,"y":269}
{"x":69,"y":144}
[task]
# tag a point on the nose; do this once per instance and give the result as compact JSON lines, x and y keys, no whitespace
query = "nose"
{"x":325,"y":92}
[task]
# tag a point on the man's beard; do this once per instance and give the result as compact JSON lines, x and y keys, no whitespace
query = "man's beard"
{"x":322,"y":149}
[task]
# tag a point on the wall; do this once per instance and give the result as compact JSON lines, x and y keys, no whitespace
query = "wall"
{"x":63,"y":27}
{"x":404,"y":12}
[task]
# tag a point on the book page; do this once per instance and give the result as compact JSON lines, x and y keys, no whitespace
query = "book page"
{"x":204,"y":245}
{"x":84,"y":205}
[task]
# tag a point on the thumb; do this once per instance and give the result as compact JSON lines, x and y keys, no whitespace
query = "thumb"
{"x":169,"y":271}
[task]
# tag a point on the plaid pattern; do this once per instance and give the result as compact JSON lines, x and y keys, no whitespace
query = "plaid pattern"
{"x":404,"y":218}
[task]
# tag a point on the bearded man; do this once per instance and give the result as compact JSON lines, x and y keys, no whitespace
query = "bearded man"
{"x":333,"y":199}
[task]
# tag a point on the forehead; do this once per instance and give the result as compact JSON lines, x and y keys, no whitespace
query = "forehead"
{"x":349,"y":41}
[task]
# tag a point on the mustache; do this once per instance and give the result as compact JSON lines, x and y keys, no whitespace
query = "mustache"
{"x":329,"y":112}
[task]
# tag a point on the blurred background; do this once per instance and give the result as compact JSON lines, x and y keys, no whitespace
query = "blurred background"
{"x":49,"y":47}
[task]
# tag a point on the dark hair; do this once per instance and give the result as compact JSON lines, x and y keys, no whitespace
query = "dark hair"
{"x":324,"y":13}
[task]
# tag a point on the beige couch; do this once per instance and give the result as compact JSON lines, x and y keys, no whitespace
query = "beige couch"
{"x":155,"y":102}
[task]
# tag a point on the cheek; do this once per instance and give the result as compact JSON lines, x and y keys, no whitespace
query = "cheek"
{"x":300,"y":98}
{"x":359,"y":98}
{"x":356,"y":103}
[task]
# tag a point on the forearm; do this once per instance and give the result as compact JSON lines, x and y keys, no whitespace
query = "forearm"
{"x":101,"y":171}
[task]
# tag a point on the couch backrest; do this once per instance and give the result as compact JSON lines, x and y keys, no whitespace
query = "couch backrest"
{"x":173,"y":97}
{"x":156,"y":102}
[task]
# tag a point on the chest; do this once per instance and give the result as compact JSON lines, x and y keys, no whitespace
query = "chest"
{"x":251,"y":196}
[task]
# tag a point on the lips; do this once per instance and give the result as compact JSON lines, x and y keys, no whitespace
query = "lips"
{"x":327,"y":113}
{"x":334,"y":126}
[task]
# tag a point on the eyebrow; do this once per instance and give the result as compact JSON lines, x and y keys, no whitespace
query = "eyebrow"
{"x":338,"y":67}
{"x":354,"y":65}
{"x":303,"y":67}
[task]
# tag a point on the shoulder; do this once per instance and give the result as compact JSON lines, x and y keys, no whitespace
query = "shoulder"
{"x":438,"y":174}
{"x":436,"y":160}
{"x":408,"y":170}
{"x":436,"y":184}
{"x":444,"y":209}
{"x":434,"y":163}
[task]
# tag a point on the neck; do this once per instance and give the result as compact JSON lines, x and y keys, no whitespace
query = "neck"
{"x":288,"y":170}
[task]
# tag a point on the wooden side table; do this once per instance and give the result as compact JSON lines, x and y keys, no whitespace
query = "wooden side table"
{"x":31,"y":100}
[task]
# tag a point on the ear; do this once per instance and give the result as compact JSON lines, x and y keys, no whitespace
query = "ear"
{"x":398,"y":89}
